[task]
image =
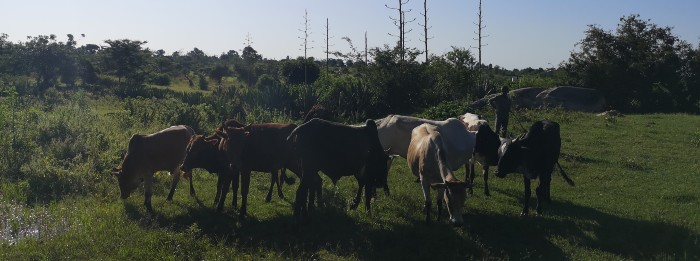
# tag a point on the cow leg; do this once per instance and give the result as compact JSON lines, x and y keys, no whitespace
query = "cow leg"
{"x":358,"y":195}
{"x":439,"y":198}
{"x":369,"y":191}
{"x":427,"y":205}
{"x":148,"y":191}
{"x":281,"y":178}
{"x":176,"y":178}
{"x":300,"y":208}
{"x":470,"y":175}
{"x":192,"y":193}
{"x":226,"y":180}
{"x":542,"y":192}
{"x":526,"y":198}
{"x":235,"y":181}
{"x":219,"y":187}
{"x":486,"y":180}
{"x":273,"y":180}
{"x":245,"y":185}
{"x":314,"y":190}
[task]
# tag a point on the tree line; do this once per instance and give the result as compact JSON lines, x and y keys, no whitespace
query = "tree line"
{"x":640,"y":67}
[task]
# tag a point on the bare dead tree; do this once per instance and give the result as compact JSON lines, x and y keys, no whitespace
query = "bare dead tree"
{"x":248,"y":40}
{"x":306,"y":41}
{"x":328,"y":45}
{"x":425,"y":29}
{"x":480,"y":27}
{"x":366,"y":48}
{"x":401,"y":24}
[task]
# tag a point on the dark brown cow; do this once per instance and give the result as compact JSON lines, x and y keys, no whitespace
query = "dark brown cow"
{"x":264,"y":149}
{"x":534,"y":156}
{"x":203,"y":152}
{"x":146,"y":154}
{"x":485,"y":153}
{"x":338,"y":150}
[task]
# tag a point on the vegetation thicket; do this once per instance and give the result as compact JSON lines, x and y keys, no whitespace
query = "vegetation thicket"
{"x":67,"y":112}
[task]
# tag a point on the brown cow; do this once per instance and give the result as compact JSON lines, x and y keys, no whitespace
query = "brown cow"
{"x":264,"y":148}
{"x":203,"y":152}
{"x":146,"y":154}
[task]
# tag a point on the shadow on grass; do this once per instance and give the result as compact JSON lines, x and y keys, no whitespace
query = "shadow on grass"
{"x":336,"y":232}
{"x":332,"y":230}
{"x":531,"y":237}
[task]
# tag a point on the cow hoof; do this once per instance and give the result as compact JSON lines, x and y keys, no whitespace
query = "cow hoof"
{"x":471,"y":191}
{"x":524,"y":214}
{"x":354,"y":205}
{"x":268,"y":198}
{"x":487,"y":193}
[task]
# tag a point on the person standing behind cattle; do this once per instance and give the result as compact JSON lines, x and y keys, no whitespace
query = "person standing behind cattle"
{"x":501,"y":104}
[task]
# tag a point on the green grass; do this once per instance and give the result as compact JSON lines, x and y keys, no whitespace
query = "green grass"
{"x":636,"y":197}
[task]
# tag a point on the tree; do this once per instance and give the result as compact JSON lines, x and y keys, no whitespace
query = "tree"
{"x":51,"y":59}
{"x":638,"y":67}
{"x":126,"y":59}
{"x":425,"y":29}
{"x":250,"y":55}
{"x":306,"y":41}
{"x":300,"y":71}
{"x":401,"y":24}
{"x":479,"y":29}
{"x":218,"y":73}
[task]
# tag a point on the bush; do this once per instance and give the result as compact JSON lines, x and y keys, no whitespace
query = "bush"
{"x":160,"y":79}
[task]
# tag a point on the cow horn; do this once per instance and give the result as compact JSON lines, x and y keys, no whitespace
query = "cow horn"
{"x":221,"y":133}
{"x":438,"y":185}
{"x":386,"y":151}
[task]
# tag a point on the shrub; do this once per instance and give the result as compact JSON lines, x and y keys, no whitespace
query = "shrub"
{"x":160,"y":79}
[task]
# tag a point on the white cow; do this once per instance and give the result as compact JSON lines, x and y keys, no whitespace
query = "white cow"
{"x":426,"y":158}
{"x":395,"y":135}
{"x":472,"y":121}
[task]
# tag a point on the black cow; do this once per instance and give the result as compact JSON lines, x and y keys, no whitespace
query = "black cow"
{"x":338,"y":150}
{"x":534,"y":156}
{"x":485,"y":153}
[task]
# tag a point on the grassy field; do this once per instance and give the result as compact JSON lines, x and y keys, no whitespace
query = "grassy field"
{"x":636,"y":197}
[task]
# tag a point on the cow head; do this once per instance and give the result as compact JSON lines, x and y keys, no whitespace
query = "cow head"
{"x":232,"y":143}
{"x":201,"y":153}
{"x":455,"y":195}
{"x":128,"y":181}
{"x":512,"y":157}
{"x":378,"y":159}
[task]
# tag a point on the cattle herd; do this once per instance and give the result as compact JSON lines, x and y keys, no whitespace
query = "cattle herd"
{"x":433,"y":150}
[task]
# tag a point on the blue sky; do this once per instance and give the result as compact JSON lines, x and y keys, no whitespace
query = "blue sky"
{"x":521,"y":33}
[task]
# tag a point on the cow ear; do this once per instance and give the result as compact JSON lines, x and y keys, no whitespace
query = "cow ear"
{"x":438,"y":185}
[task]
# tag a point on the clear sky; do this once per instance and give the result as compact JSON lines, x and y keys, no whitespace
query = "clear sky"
{"x":521,"y":33}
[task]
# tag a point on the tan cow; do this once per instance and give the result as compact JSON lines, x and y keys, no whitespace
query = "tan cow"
{"x":426,"y":158}
{"x":146,"y":154}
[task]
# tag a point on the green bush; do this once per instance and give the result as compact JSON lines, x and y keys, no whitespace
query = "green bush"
{"x":160,"y":79}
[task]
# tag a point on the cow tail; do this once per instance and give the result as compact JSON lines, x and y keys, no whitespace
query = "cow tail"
{"x":563,"y":174}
